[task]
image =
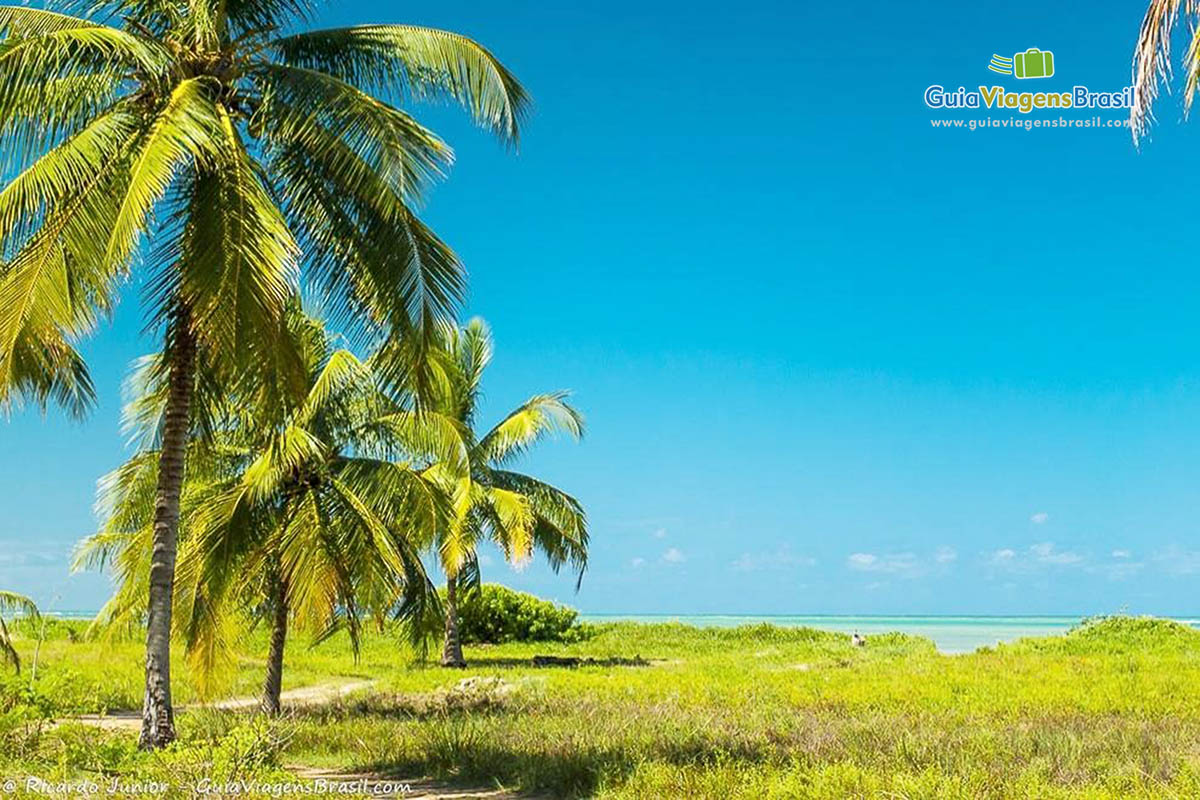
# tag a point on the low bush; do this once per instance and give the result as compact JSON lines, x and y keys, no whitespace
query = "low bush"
{"x":496,"y":614}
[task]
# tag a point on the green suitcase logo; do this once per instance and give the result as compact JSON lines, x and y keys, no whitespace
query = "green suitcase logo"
{"x":1033,"y":63}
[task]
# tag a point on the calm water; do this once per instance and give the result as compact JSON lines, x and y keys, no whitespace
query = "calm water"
{"x":950,"y":634}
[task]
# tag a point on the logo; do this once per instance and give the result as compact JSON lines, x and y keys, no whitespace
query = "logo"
{"x":1033,"y":63}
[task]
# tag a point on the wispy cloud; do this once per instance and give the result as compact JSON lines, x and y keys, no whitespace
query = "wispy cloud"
{"x":890,"y":564}
{"x":905,"y":565}
{"x":660,"y":533}
{"x":1121,"y":554}
{"x":783,"y":558}
{"x":945,"y":555}
{"x":637,"y":563}
{"x":1046,"y":553}
{"x":673,"y":555}
{"x":1043,"y":555}
{"x":1040,"y":518}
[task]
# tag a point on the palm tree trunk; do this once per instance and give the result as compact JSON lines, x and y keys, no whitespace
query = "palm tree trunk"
{"x":452,"y":655}
{"x":158,"y":715}
{"x":273,"y":686}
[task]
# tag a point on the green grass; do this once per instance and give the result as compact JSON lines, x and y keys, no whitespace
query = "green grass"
{"x":1108,"y":711}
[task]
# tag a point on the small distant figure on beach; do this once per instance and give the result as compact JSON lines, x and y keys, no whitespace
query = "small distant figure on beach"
{"x":858,"y":640}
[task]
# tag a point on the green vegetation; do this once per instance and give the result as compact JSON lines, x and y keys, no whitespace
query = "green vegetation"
{"x":495,"y":614}
{"x":1107,"y":711}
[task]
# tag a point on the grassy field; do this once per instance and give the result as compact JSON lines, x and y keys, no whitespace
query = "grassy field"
{"x":1110,"y":710}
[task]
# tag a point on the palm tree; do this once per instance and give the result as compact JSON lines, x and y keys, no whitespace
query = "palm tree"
{"x":517,"y":512}
{"x":9,"y":602}
{"x":300,"y":509}
{"x":1152,"y":60}
{"x":246,"y":154}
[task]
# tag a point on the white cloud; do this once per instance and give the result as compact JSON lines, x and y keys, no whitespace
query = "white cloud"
{"x":1045,"y":553}
{"x":673,"y":555}
{"x":862,"y":561}
{"x":637,"y":563}
{"x":893,"y":564}
{"x":1034,"y":557}
{"x":660,"y":533}
{"x":1040,"y":518}
{"x":945,"y":555}
{"x":783,"y":558}
{"x":1121,"y":554}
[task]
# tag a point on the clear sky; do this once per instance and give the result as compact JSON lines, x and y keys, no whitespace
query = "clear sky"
{"x":834,"y":360}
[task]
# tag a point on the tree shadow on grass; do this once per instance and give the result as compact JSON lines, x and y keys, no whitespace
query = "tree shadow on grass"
{"x":565,"y":770}
{"x":557,"y":662}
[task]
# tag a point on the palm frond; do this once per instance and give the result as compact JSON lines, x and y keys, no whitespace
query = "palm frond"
{"x":186,"y":130}
{"x":560,"y":530}
{"x":408,"y":61}
{"x":11,"y":601}
{"x":63,"y":173}
{"x":430,"y":436}
{"x":1152,"y":60}
{"x":237,"y":292}
{"x":538,"y":417}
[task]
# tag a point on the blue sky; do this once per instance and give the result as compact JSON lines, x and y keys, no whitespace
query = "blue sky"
{"x":833,"y":360}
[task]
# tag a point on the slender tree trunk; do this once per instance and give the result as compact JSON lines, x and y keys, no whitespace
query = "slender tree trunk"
{"x":273,"y":686}
{"x":452,"y":655}
{"x":158,"y":715}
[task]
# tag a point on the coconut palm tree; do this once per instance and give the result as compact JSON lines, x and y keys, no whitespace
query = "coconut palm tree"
{"x":248,"y":153}
{"x":300,"y":510}
{"x":517,"y":512}
{"x":9,"y":602}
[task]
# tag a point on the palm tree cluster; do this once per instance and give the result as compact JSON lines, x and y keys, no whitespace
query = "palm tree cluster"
{"x":233,"y":160}
{"x":309,"y":507}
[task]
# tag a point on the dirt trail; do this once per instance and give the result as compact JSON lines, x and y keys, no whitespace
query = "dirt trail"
{"x":295,"y":698}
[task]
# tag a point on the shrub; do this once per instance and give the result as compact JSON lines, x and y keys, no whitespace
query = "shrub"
{"x":496,"y":614}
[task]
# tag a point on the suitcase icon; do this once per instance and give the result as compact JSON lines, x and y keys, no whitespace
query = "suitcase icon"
{"x":1033,"y":63}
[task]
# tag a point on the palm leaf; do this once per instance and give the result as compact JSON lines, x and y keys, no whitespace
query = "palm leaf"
{"x":416,"y":62}
{"x":186,"y":130}
{"x":540,"y":416}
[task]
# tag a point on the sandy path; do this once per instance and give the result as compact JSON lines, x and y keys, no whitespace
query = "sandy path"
{"x":306,"y":696}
